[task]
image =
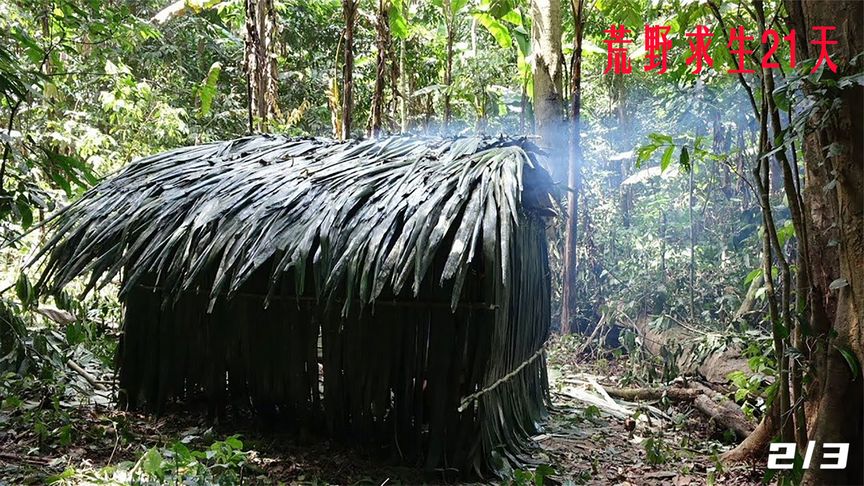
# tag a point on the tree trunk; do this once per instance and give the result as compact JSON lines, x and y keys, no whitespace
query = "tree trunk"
{"x":663,"y":224}
{"x":448,"y":61}
{"x":569,"y":303}
{"x":775,"y":419}
{"x":349,"y":15}
{"x":794,"y":376}
{"x":523,"y":106}
{"x":548,"y":74}
{"x":692,"y":269}
{"x":383,"y":45}
{"x":405,"y":92}
{"x":260,"y":64}
{"x":834,"y":209}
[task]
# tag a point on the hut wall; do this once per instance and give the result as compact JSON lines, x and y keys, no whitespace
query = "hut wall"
{"x":393,"y":374}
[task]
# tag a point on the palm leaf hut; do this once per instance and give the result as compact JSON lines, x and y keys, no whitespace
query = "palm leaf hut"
{"x":392,"y":291}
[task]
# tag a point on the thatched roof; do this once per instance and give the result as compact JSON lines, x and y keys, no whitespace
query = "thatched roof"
{"x":369,"y":215}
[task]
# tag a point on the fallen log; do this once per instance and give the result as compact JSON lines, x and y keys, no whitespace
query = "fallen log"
{"x":686,"y":342}
{"x":674,"y":393}
{"x":724,"y":413}
{"x":719,"y":409}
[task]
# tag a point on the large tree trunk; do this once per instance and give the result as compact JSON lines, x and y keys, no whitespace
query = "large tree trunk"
{"x":260,"y":64}
{"x":548,"y":81}
{"x":569,"y":302}
{"x":349,"y":15}
{"x":834,"y":200}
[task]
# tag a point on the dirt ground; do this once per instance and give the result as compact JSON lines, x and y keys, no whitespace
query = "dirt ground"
{"x":583,"y":443}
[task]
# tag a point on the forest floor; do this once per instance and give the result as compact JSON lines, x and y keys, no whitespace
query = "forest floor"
{"x":589,"y":439}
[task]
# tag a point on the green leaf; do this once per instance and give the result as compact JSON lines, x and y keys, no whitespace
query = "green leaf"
{"x":834,"y":149}
{"x":182,"y":453}
{"x":661,"y":138}
{"x":67,"y":473}
{"x":760,"y":292}
{"x":234,"y":442}
{"x":838,"y":284}
{"x":208,"y":88}
{"x":752,"y":275}
{"x":541,"y":473}
{"x":781,"y":98}
{"x":65,"y":435}
{"x":667,"y":158}
{"x":498,"y":30}
{"x":644,"y":153}
{"x":513,"y":17}
{"x":786,"y":232}
{"x":24,"y":289}
{"x":398,"y":21}
{"x":71,"y":167}
{"x":851,"y":360}
{"x":780,"y":330}
{"x":770,"y":393}
{"x":31,"y":48}
{"x":498,"y":8}
{"x":151,"y":463}
{"x":523,"y":40}
{"x":61,"y":182}
{"x":25,"y":212}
